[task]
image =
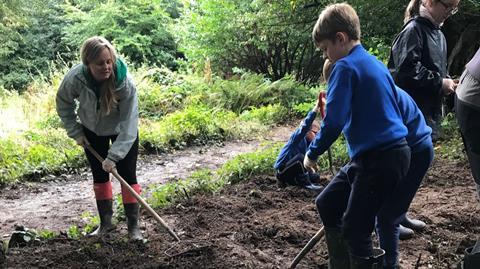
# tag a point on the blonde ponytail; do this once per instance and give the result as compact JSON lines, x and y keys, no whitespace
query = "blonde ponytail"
{"x":412,"y":10}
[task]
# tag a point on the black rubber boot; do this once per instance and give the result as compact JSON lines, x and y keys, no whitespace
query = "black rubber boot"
{"x":373,"y":262}
{"x":132,"y":213}
{"x":405,"y":233}
{"x":414,"y":224}
{"x":281,"y":183}
{"x":105,"y":213}
{"x":338,"y":256}
{"x":470,"y":261}
{"x":303,"y":180}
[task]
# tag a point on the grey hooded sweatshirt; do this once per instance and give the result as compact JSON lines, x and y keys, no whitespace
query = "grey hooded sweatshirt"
{"x":78,"y":104}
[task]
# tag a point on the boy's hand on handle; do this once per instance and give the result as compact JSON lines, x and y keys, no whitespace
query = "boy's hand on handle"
{"x":82,"y":141}
{"x":108,"y":165}
{"x":310,"y":165}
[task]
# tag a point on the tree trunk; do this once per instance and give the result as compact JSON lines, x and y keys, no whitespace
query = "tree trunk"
{"x":464,"y":49}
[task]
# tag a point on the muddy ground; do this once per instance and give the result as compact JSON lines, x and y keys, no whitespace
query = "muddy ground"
{"x":253,"y":224}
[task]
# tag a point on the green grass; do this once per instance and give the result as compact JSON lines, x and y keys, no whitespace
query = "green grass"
{"x":177,"y":110}
{"x":204,"y":181}
{"x":450,"y":145}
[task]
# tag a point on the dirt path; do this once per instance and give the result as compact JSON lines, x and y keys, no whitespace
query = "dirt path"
{"x":59,"y":203}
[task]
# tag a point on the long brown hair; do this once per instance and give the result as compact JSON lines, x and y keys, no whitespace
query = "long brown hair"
{"x":90,"y":50}
{"x":412,"y":10}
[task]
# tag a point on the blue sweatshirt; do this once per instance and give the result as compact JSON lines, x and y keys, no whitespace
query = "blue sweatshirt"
{"x":419,"y":134}
{"x":297,"y":143}
{"x":361,"y":102}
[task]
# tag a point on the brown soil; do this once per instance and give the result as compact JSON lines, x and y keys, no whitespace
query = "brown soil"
{"x":255,"y":224}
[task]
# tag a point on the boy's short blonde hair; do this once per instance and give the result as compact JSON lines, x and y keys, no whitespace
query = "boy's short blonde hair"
{"x":336,"y":18}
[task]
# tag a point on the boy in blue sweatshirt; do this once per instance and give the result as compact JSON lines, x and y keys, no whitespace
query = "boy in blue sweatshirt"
{"x":361,"y":102}
{"x":289,"y":164}
{"x":419,"y":140}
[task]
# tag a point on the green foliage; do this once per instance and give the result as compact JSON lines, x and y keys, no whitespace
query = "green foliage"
{"x":12,"y":14}
{"x":118,"y":211}
{"x":268,"y":37}
{"x":185,"y":110}
{"x":156,"y":100}
{"x":207,"y":181}
{"x":193,"y":125}
{"x":36,"y":153}
{"x":242,"y":167}
{"x":74,"y":232}
{"x":339,"y":155}
{"x":200,"y":182}
{"x":378,"y":48}
{"x":138,"y":29}
{"x":38,"y":43}
{"x":302,"y":109}
{"x":252,"y":90}
{"x":380,"y":21}
{"x":267,"y":115}
{"x":89,"y":223}
{"x":247,"y":165}
{"x":48,"y":122}
{"x":46,"y":234}
{"x":451,"y":144}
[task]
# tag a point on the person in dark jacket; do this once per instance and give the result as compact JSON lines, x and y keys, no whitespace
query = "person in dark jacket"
{"x":467,"y":106}
{"x":289,"y":164}
{"x":418,"y":58}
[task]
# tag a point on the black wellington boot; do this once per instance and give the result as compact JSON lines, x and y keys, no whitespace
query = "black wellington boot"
{"x":132,"y":213}
{"x":470,"y":261}
{"x":414,"y":224}
{"x":338,"y":256}
{"x":303,"y":180}
{"x":405,"y":233}
{"x":105,"y":213}
{"x":373,"y":262}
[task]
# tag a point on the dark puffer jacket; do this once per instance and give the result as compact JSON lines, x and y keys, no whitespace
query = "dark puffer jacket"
{"x":418,"y":63}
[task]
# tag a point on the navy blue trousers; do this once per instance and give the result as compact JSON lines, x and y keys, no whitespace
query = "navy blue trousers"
{"x":356,"y":194}
{"x":394,"y":211}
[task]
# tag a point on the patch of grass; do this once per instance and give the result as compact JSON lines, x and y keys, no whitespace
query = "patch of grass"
{"x":203,"y":181}
{"x":46,"y":234}
{"x":156,"y":101}
{"x":199,"y":125}
{"x":36,"y":153}
{"x":242,"y":167}
{"x":177,"y":110}
{"x":74,"y":232}
{"x":267,"y":115}
{"x":450,"y":146}
{"x":247,"y":165}
{"x":193,"y":125}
